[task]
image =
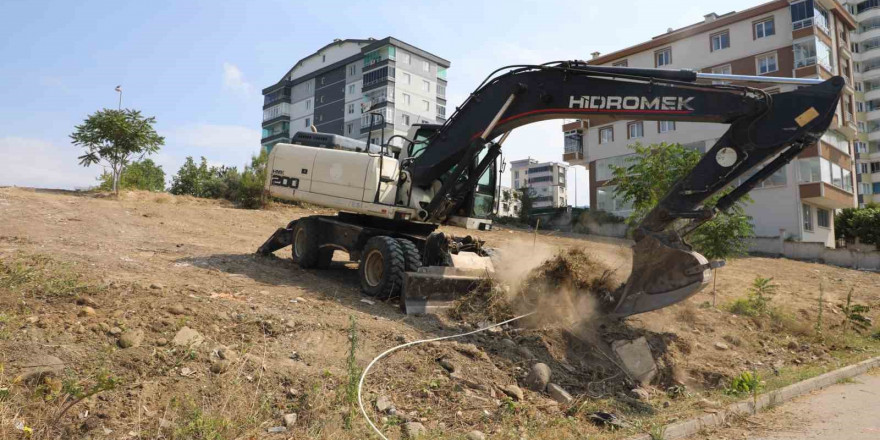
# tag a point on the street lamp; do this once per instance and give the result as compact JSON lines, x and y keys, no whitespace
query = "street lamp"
{"x":119,"y":89}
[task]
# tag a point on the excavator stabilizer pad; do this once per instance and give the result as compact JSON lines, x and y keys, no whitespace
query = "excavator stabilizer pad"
{"x":435,"y":288}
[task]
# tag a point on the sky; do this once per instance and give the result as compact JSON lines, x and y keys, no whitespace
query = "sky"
{"x":199,"y":66}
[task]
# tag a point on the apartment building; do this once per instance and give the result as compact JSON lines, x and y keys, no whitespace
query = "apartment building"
{"x":337,"y":88}
{"x":865,"y":47}
{"x":799,"y":38}
{"x":509,"y":203}
{"x":544,"y":180}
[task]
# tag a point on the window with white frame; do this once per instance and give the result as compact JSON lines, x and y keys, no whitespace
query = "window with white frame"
{"x":407,"y":78}
{"x":808,"y":217}
{"x":860,"y":106}
{"x":802,"y":14}
{"x":765,"y":28}
{"x":351,"y":109}
{"x":863,"y":168}
{"x":864,"y":188}
{"x":351,"y":89}
{"x":635,"y":130}
{"x":405,"y":119}
{"x":804,"y":53}
{"x":308,"y":104}
{"x":426,"y":66}
{"x":352,"y":70}
{"x":823,"y":56}
{"x":663,"y":57}
{"x":407,"y":58}
{"x":767,"y":63}
{"x":665,"y":126}
{"x":720,"y":41}
{"x":823,"y":218}
{"x":861,"y":147}
{"x":427,"y":105}
{"x":426,"y":86}
{"x":308,"y":122}
{"x":406,"y":99}
{"x":348,"y":128}
{"x":606,"y":135}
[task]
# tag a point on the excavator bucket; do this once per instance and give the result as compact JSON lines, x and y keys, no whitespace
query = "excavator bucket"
{"x":434,"y":288}
{"x":665,"y":271}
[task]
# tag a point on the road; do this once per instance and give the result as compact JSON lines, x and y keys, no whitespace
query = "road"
{"x":846,"y":411}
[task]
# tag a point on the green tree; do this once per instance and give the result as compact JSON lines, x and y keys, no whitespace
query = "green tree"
{"x":652,"y":172}
{"x":527,"y":201}
{"x":861,"y":223}
{"x":250,"y":192}
{"x":191,"y":178}
{"x":143,"y":175}
{"x":114,"y":138}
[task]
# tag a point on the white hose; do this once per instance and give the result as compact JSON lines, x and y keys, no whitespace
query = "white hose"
{"x":409,"y":344}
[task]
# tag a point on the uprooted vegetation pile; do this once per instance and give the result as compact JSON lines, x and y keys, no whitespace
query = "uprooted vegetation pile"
{"x":156,"y":314}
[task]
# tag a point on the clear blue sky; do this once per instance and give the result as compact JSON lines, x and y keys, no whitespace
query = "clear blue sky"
{"x":198,"y":66}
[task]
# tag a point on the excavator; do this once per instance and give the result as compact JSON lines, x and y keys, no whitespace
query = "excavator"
{"x":392,"y":203}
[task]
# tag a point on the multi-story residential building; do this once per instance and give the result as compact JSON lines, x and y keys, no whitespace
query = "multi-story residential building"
{"x":798,"y":38}
{"x":337,"y":88}
{"x":509,"y":203}
{"x":545,"y":182}
{"x":865,"y":47}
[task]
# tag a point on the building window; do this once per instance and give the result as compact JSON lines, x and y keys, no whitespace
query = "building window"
{"x":767,"y":63}
{"x":860,"y":106}
{"x":426,"y":86}
{"x":441,"y":110}
{"x":308,"y":123}
{"x":720,"y":41}
{"x":663,"y":57}
{"x":635,"y":130}
{"x":808,"y":217}
{"x":722,"y":70}
{"x":351,"y":70}
{"x":405,"y":119}
{"x":406,"y":99}
{"x":863,"y":168}
{"x":321,"y":99}
{"x":623,"y":63}
{"x":309,"y":86}
{"x":665,"y":126}
{"x":859,"y":86}
{"x":876,"y":188}
{"x":822,"y":218}
{"x":351,"y":89}
{"x":861,"y":147}
{"x":407,"y":58}
{"x":765,"y":28}
{"x":606,"y":135}
{"x":308,"y":104}
{"x":864,"y":188}
{"x":348,"y":128}
{"x":802,"y":14}
{"x":351,"y":109}
{"x":426,"y":66}
{"x":427,"y":105}
{"x":322,"y":80}
{"x":323,"y":60}
{"x":441,"y":89}
{"x":407,"y":78}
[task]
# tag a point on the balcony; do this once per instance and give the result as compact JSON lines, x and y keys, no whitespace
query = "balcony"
{"x":868,"y":14}
{"x":826,"y":196}
{"x":575,"y":157}
{"x":278,"y":136}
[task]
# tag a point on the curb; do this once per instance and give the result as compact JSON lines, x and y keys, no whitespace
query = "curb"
{"x":693,"y":426}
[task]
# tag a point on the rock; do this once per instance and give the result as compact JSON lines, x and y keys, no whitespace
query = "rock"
{"x":187,"y":337}
{"x":226,"y":353}
{"x":104,"y":327}
{"x":515,"y":392}
{"x":383,"y":404}
{"x":447,"y":365}
{"x":35,"y":368}
{"x":177,"y":309}
{"x":115,"y":331}
{"x":706,"y":403}
{"x":508,"y":344}
{"x":161,"y":342}
{"x":220,"y":366}
{"x":722,"y":346}
{"x":86,"y":301}
{"x":636,"y":358}
{"x":475,"y":435}
{"x":276,"y":429}
{"x":215,"y":328}
{"x":223,"y":316}
{"x":131,"y":338}
{"x":290,"y":420}
{"x":793,"y":345}
{"x":33,"y":319}
{"x":156,"y":286}
{"x":525,"y":352}
{"x":640,"y":393}
{"x":559,"y":394}
{"x":86,"y":311}
{"x":538,"y":378}
{"x":413,"y":430}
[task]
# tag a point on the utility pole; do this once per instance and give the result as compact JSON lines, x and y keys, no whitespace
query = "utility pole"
{"x":119,"y":89}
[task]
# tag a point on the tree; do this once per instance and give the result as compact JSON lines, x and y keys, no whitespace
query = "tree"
{"x":143,"y":175}
{"x":861,"y":223}
{"x":526,"y":198}
{"x":191,"y":178}
{"x":114,"y":138}
{"x":652,"y":172}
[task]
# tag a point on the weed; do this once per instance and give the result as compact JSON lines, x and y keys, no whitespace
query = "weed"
{"x":354,"y":374}
{"x":74,"y":392}
{"x":821,"y":308}
{"x":855,"y":315}
{"x":876,"y":336}
{"x":757,"y":304}
{"x":657,"y":432}
{"x":41,"y":277}
{"x":745,"y":383}
{"x":198,"y":425}
{"x":677,"y":391}
{"x":846,"y":380}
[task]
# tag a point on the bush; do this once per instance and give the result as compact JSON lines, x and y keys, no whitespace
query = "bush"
{"x":861,"y":223}
{"x":757,"y":304}
{"x":245,"y":188}
{"x":143,"y":175}
{"x":745,"y":383}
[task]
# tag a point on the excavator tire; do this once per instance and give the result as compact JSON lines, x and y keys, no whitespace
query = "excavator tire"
{"x":411,"y":254}
{"x":304,"y":243}
{"x":325,"y":256}
{"x":382,"y":265}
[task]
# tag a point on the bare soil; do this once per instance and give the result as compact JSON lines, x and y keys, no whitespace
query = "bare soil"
{"x":156,"y":263}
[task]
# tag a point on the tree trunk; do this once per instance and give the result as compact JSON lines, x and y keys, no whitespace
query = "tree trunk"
{"x":714,"y":292}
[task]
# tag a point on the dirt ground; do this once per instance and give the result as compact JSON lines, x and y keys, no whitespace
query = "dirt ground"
{"x":277,"y":338}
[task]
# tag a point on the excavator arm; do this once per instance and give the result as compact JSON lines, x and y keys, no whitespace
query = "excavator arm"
{"x":765,"y":133}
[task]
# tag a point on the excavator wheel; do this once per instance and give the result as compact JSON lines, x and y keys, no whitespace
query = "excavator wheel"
{"x":325,"y":257}
{"x":304,"y":243}
{"x":411,"y":254}
{"x":383,"y":262}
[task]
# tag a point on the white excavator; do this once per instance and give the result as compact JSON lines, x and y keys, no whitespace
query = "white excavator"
{"x":390,"y":205}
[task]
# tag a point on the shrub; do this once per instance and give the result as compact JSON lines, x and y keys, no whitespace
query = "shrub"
{"x":745,"y":383}
{"x":245,"y":188}
{"x":757,"y":304}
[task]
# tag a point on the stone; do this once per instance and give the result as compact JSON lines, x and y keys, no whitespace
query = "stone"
{"x":177,"y":309}
{"x":383,"y":404}
{"x":290,"y":420}
{"x":226,"y":353}
{"x":86,"y":311}
{"x":706,"y":403}
{"x":187,"y":337}
{"x":156,"y":286}
{"x":538,"y":378}
{"x":447,"y":365}
{"x":413,"y":430}
{"x":220,"y":366}
{"x":514,"y":392}
{"x":793,"y":345}
{"x":161,"y":342}
{"x":475,"y":435}
{"x":636,"y":358}
{"x":131,"y":338}
{"x":508,"y":344}
{"x":86,"y":301}
{"x":525,"y":352}
{"x":115,"y":331}
{"x":722,"y":346}
{"x":559,"y":394}
{"x":35,"y":368}
{"x":277,"y":429}
{"x":640,"y":393}
{"x":104,"y":327}
{"x":223,"y":316}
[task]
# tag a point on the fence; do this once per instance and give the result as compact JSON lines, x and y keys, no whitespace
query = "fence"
{"x":856,"y":256}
